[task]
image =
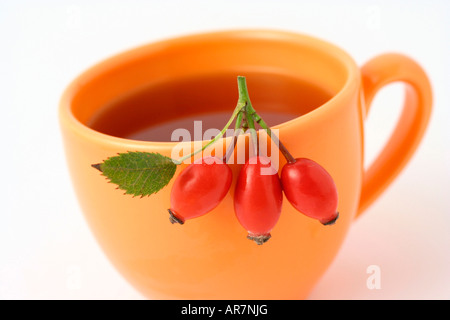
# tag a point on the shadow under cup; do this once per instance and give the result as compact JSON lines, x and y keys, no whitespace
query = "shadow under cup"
{"x":306,"y":88}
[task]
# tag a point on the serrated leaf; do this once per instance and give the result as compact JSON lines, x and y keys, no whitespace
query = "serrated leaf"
{"x":138,"y":173}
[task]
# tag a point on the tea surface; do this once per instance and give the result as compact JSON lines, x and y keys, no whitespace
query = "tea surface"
{"x":154,"y":112}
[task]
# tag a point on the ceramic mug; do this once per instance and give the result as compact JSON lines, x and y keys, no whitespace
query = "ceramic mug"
{"x":210,"y":257}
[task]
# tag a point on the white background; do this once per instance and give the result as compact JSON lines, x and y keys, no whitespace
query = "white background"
{"x":46,"y":249}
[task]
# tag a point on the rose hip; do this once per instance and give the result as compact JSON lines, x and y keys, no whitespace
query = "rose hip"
{"x":199,"y":189}
{"x":258,"y":198}
{"x":311,"y":190}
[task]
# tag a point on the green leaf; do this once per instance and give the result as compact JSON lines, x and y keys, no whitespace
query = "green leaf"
{"x":138,"y":173}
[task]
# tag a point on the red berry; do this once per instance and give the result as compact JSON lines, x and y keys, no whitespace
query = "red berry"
{"x":199,"y":189}
{"x":311,"y":190}
{"x":258,"y":198}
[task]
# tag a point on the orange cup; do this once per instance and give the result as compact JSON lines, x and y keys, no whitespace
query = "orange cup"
{"x":210,"y":257}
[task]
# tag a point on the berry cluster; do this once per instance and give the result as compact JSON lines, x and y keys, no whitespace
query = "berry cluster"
{"x":201,"y":186}
{"x":258,"y":195}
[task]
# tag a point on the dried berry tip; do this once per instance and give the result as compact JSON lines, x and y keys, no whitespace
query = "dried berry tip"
{"x":259,"y":239}
{"x":173,"y":219}
{"x":332,"y":221}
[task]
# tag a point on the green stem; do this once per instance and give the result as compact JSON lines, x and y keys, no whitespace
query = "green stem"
{"x":246,"y":117}
{"x":251,"y":117}
{"x":251,"y":127}
{"x":236,"y":111}
{"x":250,"y":122}
{"x":242,"y":88}
{"x":275,"y":139}
{"x":237,"y":132}
{"x":241,"y":104}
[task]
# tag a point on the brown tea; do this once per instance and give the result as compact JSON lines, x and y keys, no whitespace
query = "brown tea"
{"x":152,"y":113}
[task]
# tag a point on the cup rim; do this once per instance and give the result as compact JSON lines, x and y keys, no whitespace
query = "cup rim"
{"x":69,"y":121}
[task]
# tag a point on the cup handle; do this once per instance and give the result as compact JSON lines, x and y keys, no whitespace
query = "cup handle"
{"x":410,"y":128}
